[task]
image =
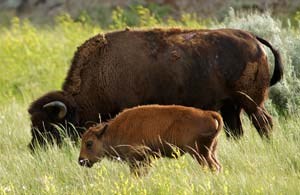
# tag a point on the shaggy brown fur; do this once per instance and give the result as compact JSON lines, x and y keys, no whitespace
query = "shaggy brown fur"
{"x":153,"y":130}
{"x":201,"y":68}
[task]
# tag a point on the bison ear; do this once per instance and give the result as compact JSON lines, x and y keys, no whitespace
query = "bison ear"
{"x":100,"y":133}
{"x":56,"y":108}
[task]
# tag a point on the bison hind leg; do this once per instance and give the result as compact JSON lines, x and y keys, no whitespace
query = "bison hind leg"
{"x":231,"y":116}
{"x":262,"y":121}
{"x":260,"y":118}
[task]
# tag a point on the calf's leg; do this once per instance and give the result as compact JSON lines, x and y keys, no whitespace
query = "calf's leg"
{"x":214,"y":155}
{"x":139,"y":168}
{"x":203,"y":155}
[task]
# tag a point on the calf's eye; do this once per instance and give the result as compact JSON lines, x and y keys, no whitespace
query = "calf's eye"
{"x":89,"y":144}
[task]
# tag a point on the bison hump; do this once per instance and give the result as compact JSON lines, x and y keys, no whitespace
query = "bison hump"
{"x":82,"y":56}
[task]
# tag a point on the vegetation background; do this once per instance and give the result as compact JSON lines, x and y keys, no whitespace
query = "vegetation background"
{"x":35,"y":53}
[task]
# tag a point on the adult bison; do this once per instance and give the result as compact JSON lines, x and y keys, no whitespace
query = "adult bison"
{"x":222,"y":69}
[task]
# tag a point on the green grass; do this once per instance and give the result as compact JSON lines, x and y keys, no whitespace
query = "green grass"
{"x":250,"y":166}
{"x":32,"y":58}
{"x":35,"y":60}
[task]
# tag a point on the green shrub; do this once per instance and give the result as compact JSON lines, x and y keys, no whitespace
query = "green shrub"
{"x":135,"y":16}
{"x":297,"y":18}
{"x":140,"y":16}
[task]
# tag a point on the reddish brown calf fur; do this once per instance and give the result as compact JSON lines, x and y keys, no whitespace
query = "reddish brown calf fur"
{"x":153,"y":130}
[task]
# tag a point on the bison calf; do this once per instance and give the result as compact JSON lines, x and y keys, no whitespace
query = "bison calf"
{"x":153,"y":130}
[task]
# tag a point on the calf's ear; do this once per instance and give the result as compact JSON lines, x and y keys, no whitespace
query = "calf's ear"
{"x":100,"y":133}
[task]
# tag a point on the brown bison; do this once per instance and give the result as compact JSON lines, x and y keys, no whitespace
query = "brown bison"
{"x":225,"y":70}
{"x":152,"y":130}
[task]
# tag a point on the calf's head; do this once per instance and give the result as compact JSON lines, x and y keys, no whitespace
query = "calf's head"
{"x":50,"y":110}
{"x":92,"y":145}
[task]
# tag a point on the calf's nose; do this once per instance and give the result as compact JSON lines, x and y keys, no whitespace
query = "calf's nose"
{"x":83,"y":161}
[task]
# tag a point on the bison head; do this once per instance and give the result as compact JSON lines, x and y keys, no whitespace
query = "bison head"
{"x":47,"y":113}
{"x":92,"y":149}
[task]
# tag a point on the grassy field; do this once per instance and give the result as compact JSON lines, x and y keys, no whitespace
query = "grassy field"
{"x":34,"y":60}
{"x":250,"y":166}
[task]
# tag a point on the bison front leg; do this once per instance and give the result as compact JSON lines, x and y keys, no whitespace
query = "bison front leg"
{"x":231,"y":116}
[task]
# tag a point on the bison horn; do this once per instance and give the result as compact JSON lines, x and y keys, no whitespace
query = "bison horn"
{"x":62,"y":108}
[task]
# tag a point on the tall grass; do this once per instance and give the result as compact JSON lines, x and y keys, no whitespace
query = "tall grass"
{"x":34,"y":60}
{"x":250,"y":166}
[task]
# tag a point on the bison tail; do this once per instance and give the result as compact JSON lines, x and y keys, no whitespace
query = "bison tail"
{"x":278,"y":67}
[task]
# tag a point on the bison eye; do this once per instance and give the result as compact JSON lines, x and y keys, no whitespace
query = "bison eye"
{"x":89,"y":144}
